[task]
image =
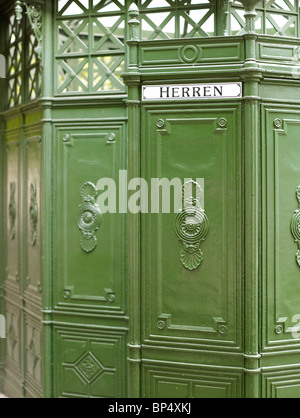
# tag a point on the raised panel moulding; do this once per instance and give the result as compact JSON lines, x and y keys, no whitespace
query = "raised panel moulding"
{"x":191,"y":226}
{"x":89,"y":217}
{"x":295,"y":226}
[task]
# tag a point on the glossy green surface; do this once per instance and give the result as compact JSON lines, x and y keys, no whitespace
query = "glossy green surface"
{"x":123,"y":317}
{"x":200,"y":309}
{"x":23,"y":288}
{"x":193,"y":145}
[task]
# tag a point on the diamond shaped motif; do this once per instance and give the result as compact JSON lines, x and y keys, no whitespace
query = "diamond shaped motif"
{"x":176,"y":19}
{"x":12,"y":336}
{"x":14,"y":62}
{"x":90,"y":46}
{"x":268,"y":21}
{"x":33,"y":353}
{"x":89,"y":367}
{"x":73,"y":36}
{"x":23,"y":63}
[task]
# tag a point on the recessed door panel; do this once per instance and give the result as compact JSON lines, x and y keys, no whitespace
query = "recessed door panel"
{"x":13,"y":283}
{"x":281,"y":239}
{"x":32,"y":282}
{"x":192,"y":264}
{"x":91,"y":252}
{"x":90,"y":352}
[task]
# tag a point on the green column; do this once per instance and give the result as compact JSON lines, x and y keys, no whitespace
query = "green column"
{"x":132,"y":79}
{"x":46,"y":198}
{"x":251,"y":76}
{"x":221,"y":17}
{"x":2,"y":207}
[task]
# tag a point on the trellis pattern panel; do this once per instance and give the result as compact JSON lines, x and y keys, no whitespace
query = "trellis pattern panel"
{"x":274,"y":17}
{"x":23,"y":63}
{"x":14,"y":63}
{"x":91,"y":35}
{"x":167,"y":19}
{"x":90,"y":48}
{"x":33,"y":68}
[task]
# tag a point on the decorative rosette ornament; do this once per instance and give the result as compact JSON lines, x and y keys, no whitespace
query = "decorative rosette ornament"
{"x":89,"y":217}
{"x":12,"y":210}
{"x":33,"y":212}
{"x":295,"y":226}
{"x":191,"y":226}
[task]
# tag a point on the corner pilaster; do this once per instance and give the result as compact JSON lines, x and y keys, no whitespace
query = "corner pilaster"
{"x":46,"y":199}
{"x":251,"y":76}
{"x":132,"y":79}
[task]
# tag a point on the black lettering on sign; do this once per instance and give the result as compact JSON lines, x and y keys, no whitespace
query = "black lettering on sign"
{"x":218,"y":91}
{"x":186,"y":92}
{"x":192,"y":91}
{"x":207,"y":91}
{"x":175,"y":92}
{"x":197,"y":92}
{"x":164,"y":92}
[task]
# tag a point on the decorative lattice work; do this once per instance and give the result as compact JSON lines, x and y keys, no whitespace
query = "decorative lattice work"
{"x":274,"y":17}
{"x":23,"y":63}
{"x":14,"y":62}
{"x":167,"y":19}
{"x":91,"y":34}
{"x":90,"y":45}
{"x":33,"y":68}
{"x":91,"y":37}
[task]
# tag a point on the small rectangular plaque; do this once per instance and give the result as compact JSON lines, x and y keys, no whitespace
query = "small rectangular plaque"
{"x":193,"y":91}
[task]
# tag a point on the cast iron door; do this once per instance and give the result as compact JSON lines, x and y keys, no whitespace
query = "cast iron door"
{"x":192,"y":260}
{"x":23,"y":287}
{"x":90,"y":349}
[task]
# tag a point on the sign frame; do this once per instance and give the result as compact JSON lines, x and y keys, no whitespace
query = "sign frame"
{"x":201,"y":91}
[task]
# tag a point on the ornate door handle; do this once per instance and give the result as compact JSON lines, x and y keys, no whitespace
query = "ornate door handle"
{"x":89,"y":217}
{"x":33,"y":212}
{"x":12,"y":210}
{"x":295,"y":226}
{"x":191,"y":226}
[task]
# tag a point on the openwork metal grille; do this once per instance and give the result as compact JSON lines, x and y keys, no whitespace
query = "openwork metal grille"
{"x":33,"y":67}
{"x":165,"y":19}
{"x":274,"y":17}
{"x":23,"y":63}
{"x":91,"y":34}
{"x":90,"y":45}
{"x":14,"y":62}
{"x":91,"y":37}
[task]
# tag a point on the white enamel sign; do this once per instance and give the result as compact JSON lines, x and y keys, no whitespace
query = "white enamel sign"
{"x":193,"y":91}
